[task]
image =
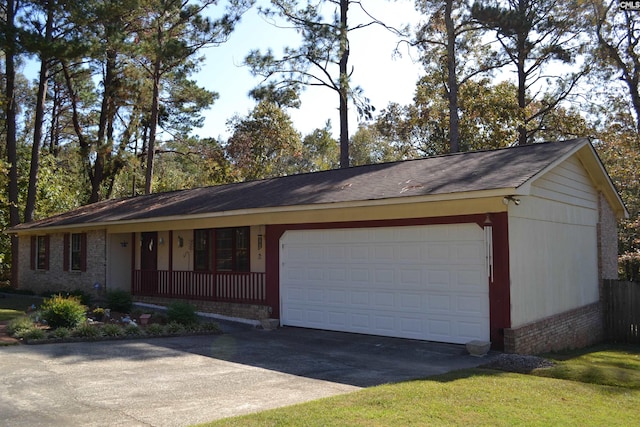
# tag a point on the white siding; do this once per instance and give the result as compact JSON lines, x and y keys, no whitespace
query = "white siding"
{"x":553,"y":245}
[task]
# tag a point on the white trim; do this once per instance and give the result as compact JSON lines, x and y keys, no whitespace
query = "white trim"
{"x":500,"y":192}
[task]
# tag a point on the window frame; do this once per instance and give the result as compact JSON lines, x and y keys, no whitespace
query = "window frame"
{"x":208,"y":252}
{"x":240,"y":258}
{"x":202,"y":256}
{"x":40,"y":252}
{"x":69,"y":253}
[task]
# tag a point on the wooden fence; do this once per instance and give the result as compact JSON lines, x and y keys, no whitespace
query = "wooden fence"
{"x":622,"y":311}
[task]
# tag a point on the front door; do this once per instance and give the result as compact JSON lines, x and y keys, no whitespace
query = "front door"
{"x":149,"y":262}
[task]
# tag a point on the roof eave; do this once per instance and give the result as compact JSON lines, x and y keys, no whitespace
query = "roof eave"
{"x":499,"y":192}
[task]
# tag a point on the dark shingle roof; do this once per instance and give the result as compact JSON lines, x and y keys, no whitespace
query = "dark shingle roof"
{"x":454,"y":173}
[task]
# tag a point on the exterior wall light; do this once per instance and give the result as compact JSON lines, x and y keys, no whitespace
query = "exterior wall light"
{"x":513,"y":199}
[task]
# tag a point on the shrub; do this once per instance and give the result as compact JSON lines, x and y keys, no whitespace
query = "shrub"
{"x":133,"y":329}
{"x":119,"y":301}
{"x":112,"y":330}
{"x":85,"y":298}
{"x":159,"y":317}
{"x":59,"y":311}
{"x":86,"y":330}
{"x":174,"y":328}
{"x":62,"y":333}
{"x":19,"y":324}
{"x":182,"y":313}
{"x":33,"y":333}
{"x":98,"y":313}
{"x":155,"y":329}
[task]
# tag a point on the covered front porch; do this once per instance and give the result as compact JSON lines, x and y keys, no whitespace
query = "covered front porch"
{"x":210,"y":265}
{"x":224,"y":286}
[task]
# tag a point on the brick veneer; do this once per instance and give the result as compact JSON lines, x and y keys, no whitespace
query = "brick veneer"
{"x":575,"y":328}
{"x":244,"y":311}
{"x":56,"y":279}
{"x":607,"y":240}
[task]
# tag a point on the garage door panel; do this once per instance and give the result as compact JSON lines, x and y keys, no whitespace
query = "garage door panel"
{"x":336,"y":296}
{"x":409,"y":253}
{"x":360,"y":298}
{"x":384,"y":276}
{"x":466,"y":279}
{"x":468,"y":331}
{"x":337,"y":319}
{"x":471,"y":304}
{"x":410,"y":277}
{"x":440,"y":329}
{"x":409,"y":301}
{"x":425,"y":282}
{"x":438,"y":279}
{"x":383,"y":300}
{"x":439,"y":303}
{"x":358,"y":253}
{"x":385,"y":323}
{"x":359,"y":275}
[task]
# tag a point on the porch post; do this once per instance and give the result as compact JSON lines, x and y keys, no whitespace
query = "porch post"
{"x":272,"y":271}
{"x":170,"y":262}
{"x":499,"y":288}
{"x":133,"y":262}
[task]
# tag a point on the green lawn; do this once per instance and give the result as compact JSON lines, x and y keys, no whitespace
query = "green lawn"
{"x":15,"y":305}
{"x":596,"y":387}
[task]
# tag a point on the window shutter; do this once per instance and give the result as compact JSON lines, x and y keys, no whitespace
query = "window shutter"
{"x":46,"y":251}
{"x":32,"y":261}
{"x":83,"y":252}
{"x":65,"y":252}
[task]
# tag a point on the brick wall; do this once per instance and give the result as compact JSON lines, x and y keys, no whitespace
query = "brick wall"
{"x":575,"y":328}
{"x":56,"y":279}
{"x":607,"y":240}
{"x":245,"y":311}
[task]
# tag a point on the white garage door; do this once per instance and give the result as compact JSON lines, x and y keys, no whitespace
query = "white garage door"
{"x":422,"y":282}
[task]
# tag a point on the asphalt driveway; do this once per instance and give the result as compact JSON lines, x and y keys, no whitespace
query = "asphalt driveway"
{"x":188,"y":380}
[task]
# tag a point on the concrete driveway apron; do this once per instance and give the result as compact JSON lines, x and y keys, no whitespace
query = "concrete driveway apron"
{"x":187,"y":380}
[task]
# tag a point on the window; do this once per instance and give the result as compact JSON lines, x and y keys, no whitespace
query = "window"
{"x":42,"y":253}
{"x":232,"y":249}
{"x":202,"y":252}
{"x":39,"y":258}
{"x":226,"y":249}
{"x":75,"y":252}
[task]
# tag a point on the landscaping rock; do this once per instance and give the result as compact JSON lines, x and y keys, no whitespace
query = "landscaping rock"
{"x":519,"y":363}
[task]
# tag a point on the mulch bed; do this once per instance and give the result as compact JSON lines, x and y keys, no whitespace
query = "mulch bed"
{"x":5,"y":338}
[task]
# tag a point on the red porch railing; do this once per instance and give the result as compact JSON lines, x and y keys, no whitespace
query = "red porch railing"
{"x":229,"y":287}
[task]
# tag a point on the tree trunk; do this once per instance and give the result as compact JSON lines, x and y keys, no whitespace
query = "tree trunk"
{"x":153,"y":128}
{"x":39,"y":118}
{"x":344,"y":86}
{"x":522,"y":80}
{"x":452,"y":80}
{"x":12,"y":154}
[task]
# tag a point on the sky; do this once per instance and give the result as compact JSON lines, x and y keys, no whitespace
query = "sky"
{"x":383,"y":77}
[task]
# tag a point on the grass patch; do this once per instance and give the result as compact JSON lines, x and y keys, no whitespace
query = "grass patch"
{"x":18,"y":302}
{"x":9,"y":313}
{"x":485,"y":397}
{"x":605,"y":365}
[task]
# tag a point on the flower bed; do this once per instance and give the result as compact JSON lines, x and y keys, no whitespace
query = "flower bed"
{"x":99,"y":324}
